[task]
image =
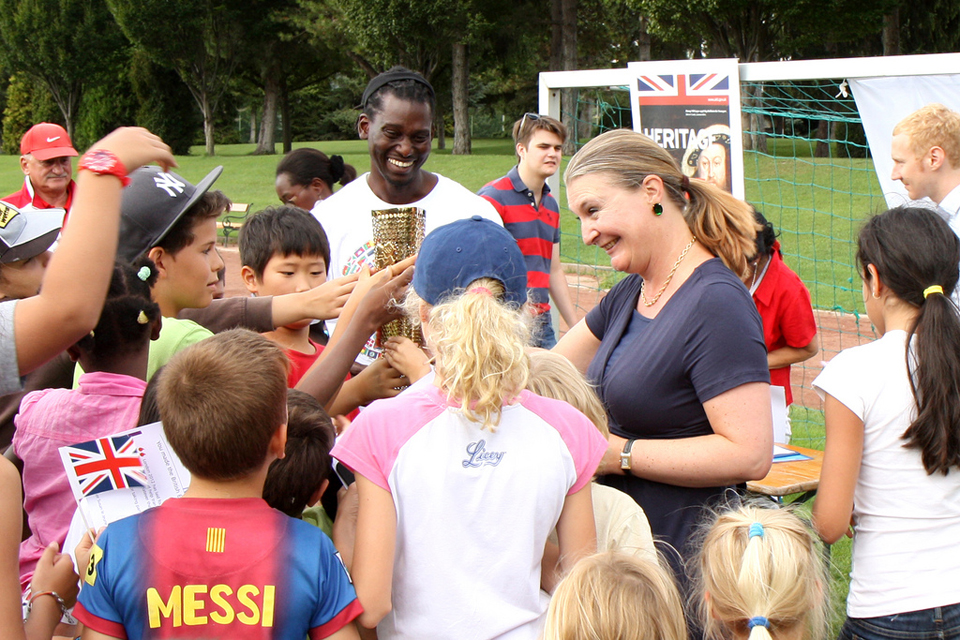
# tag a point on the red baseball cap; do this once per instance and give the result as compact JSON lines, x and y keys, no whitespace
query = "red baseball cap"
{"x":47,"y":140}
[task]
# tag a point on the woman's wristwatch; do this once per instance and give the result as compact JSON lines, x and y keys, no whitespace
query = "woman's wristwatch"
{"x":626,"y":460}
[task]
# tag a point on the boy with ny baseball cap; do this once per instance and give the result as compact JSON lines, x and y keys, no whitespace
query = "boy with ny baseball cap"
{"x":173,"y":223}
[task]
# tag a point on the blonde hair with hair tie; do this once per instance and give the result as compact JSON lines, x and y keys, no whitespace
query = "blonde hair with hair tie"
{"x":723,"y":224}
{"x":761,"y":575}
{"x":615,"y":596}
{"x":553,"y":376}
{"x":479,"y":345}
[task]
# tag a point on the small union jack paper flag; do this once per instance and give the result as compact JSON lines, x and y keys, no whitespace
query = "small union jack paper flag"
{"x":104,"y":464}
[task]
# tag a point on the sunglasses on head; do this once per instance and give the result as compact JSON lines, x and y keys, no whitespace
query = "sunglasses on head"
{"x":533,"y":117}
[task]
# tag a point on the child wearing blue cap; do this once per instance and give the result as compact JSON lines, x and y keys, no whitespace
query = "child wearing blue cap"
{"x":444,"y":469}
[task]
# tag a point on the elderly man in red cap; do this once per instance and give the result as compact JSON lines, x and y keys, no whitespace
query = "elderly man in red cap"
{"x":45,"y":153}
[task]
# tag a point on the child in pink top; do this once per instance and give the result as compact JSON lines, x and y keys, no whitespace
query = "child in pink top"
{"x":107,"y":401}
{"x":445,"y":471}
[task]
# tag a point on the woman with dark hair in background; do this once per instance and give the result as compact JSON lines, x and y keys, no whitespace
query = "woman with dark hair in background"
{"x":307,"y":176}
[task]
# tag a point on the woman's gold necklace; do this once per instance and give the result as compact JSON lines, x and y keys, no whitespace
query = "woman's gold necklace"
{"x":676,"y":265}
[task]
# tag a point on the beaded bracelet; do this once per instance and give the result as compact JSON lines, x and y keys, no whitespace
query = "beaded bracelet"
{"x":53,"y":594}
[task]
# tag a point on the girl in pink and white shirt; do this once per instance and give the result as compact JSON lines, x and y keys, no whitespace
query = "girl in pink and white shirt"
{"x":444,"y":470}
{"x":106,"y":401}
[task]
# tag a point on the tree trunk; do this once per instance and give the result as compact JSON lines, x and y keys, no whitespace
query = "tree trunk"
{"x":588,"y":111}
{"x":891,"y":33}
{"x":461,"y":105}
{"x":285,"y":116}
{"x":208,"y":125}
{"x":68,"y":118}
{"x":253,"y":125}
{"x":822,"y":149}
{"x":441,"y":128}
{"x":266,"y":142}
{"x":643,"y":40}
{"x":569,"y":96}
{"x":758,"y":137}
{"x":67,"y":100}
{"x":556,"y":35}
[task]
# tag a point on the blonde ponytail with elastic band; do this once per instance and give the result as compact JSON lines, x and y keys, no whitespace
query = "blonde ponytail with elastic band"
{"x":761,"y":576}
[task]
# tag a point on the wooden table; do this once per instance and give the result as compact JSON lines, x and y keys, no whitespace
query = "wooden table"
{"x":788,"y":478}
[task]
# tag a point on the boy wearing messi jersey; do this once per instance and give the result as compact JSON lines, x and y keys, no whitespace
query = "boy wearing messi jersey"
{"x":219,"y":562}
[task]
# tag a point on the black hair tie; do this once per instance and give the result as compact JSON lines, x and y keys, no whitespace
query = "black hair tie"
{"x":336,"y":168}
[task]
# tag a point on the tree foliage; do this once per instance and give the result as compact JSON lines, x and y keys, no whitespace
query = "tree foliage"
{"x":304,"y":62}
{"x":64,"y":44}
{"x":164,"y":104}
{"x":756,"y":30}
{"x":27,"y":104}
{"x":200,"y":39}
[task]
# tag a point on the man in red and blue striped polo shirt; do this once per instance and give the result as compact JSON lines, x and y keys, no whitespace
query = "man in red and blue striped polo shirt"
{"x":532,"y":215}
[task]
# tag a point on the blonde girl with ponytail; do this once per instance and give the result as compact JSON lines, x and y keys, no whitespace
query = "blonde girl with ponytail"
{"x":461,"y":481}
{"x":761,"y":576}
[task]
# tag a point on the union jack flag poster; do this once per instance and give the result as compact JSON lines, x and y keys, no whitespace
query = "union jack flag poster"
{"x":691,"y":108}
{"x":104,"y":464}
{"x":684,"y":88}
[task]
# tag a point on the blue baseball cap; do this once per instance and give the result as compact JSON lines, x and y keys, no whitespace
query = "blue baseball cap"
{"x":456,"y":254}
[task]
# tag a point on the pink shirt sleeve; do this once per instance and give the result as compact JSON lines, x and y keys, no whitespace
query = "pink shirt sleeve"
{"x":371,"y":445}
{"x":584,"y":441}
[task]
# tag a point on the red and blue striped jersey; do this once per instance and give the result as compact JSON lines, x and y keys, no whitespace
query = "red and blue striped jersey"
{"x":215,"y":568}
{"x":536,"y":230}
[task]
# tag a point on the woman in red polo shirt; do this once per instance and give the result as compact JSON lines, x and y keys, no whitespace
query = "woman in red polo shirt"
{"x":789,"y":329}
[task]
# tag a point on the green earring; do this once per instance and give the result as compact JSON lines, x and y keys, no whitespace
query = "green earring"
{"x":657,"y":209}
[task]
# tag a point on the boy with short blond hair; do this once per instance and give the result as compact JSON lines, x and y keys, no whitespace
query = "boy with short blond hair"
{"x":926,"y":159}
{"x":219,"y":562}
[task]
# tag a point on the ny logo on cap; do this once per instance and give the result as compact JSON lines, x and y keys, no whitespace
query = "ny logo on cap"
{"x":168,"y":183}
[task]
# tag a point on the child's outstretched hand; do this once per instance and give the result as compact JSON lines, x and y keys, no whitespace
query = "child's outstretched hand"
{"x":376,"y":294}
{"x":135,"y":147}
{"x":380,"y":380}
{"x":324,"y":302}
{"x":55,"y":573}
{"x":341,"y":423}
{"x":405,"y":356}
